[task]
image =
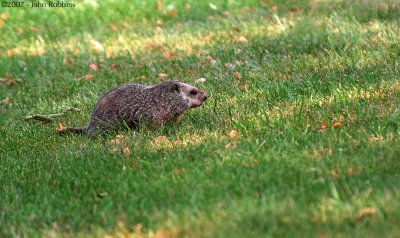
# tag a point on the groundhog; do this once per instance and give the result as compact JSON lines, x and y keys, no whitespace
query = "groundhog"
{"x":132,"y":104}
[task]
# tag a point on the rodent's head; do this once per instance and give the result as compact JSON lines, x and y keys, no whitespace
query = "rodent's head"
{"x":194,"y":96}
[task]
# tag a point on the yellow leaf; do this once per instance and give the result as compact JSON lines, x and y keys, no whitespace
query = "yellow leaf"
{"x":97,"y":46}
{"x":5,"y":100}
{"x":366,"y":211}
{"x":161,"y":139}
{"x":4,"y":16}
{"x":233,"y":134}
{"x":162,"y":76}
{"x":241,"y":39}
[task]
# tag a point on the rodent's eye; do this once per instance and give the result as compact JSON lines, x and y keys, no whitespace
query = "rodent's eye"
{"x":193,"y":92}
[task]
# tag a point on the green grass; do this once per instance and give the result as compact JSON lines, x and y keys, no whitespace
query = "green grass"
{"x":304,"y":66}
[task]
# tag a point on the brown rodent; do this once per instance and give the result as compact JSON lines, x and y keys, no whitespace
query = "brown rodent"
{"x":131,"y":104}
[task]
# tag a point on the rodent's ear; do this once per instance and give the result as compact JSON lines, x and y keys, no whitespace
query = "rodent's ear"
{"x":175,"y":87}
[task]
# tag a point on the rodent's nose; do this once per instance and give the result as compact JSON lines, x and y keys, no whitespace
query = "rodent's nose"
{"x":205,"y":97}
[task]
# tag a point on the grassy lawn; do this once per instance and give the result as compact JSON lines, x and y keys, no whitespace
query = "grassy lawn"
{"x":299,"y":136}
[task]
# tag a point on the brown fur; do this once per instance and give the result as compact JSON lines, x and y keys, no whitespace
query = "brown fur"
{"x":131,"y":104}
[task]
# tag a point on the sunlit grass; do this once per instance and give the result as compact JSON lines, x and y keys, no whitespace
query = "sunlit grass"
{"x":300,"y":135}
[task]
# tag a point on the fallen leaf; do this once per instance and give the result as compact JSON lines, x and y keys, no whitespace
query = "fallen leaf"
{"x":274,"y":7}
{"x":207,"y":38}
{"x":89,"y":76}
{"x":10,"y":52}
{"x":227,"y":146}
{"x":158,"y":30}
{"x":69,"y":61}
{"x":373,"y":139}
{"x":160,"y":21}
{"x":190,"y":71}
{"x":5,"y":100}
{"x":366,"y":211}
{"x":77,"y":51}
{"x":178,"y":171}
{"x":118,"y":140}
{"x":327,"y":150}
{"x":200,"y":80}
{"x":97,"y":46}
{"x":94,"y":67}
{"x":149,"y":44}
{"x":114,"y":66}
{"x":173,"y":12}
{"x":127,"y":151}
{"x":323,"y":127}
{"x":229,"y":66}
{"x":389,"y":136}
{"x":38,"y":51}
{"x":20,"y":31}
{"x":165,"y":234}
{"x":341,"y":118}
{"x":4,"y":16}
{"x":143,"y":77}
{"x":321,"y":153}
{"x":364,"y":95}
{"x":294,"y":9}
{"x":335,"y":173}
{"x":114,"y":27}
{"x":285,"y":113}
{"x":335,"y":30}
{"x":34,"y":29}
{"x":137,"y":229}
{"x":161,"y":139}
{"x":233,"y":134}
{"x":162,"y":76}
{"x":168,"y":55}
{"x":353,"y":171}
{"x":237,"y":75}
{"x":159,"y":5}
{"x":241,"y":39}
{"x":7,"y":81}
{"x":244,"y":86}
{"x":116,"y":150}
{"x":336,"y":124}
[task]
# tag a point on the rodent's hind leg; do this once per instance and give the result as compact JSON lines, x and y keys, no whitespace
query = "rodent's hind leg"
{"x":178,"y":118}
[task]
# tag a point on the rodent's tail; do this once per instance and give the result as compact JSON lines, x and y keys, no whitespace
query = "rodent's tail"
{"x":73,"y":130}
